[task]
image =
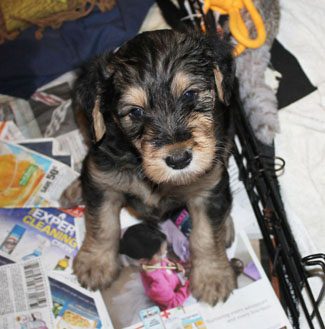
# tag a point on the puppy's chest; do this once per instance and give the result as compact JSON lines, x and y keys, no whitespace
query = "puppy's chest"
{"x":148,"y":199}
{"x":151,"y":199}
{"x":155,"y":202}
{"x":152,"y":203}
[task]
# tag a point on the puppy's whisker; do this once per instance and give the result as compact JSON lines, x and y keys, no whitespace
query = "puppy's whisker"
{"x":223,"y":149}
{"x":219,"y":162}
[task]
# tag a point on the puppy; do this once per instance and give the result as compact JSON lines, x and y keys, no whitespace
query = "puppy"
{"x":161,"y":134}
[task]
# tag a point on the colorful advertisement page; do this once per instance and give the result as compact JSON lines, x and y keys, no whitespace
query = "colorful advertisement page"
{"x":27,"y":233}
{"x":71,"y":308}
{"x":20,"y":174}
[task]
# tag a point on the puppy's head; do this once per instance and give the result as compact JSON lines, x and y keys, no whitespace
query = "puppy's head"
{"x":163,"y":91}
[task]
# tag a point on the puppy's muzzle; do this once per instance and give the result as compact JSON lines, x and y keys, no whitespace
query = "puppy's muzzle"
{"x":179,"y":159}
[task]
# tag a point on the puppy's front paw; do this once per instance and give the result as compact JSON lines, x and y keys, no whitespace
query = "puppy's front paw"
{"x":212,"y":282}
{"x":95,"y":270}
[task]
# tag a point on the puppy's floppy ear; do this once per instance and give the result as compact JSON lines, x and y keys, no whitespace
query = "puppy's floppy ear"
{"x":218,"y":77}
{"x":98,"y":121}
{"x":223,"y":67}
{"x":88,"y":92}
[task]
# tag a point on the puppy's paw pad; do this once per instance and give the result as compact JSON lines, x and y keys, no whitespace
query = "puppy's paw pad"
{"x":94,"y":270}
{"x":212,"y":285}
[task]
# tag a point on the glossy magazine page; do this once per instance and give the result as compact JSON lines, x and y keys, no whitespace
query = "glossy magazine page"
{"x":28,"y":178}
{"x":49,"y":233}
{"x":252,"y":305}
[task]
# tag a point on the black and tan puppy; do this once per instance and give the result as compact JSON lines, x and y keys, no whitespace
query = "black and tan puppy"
{"x":160,"y":133}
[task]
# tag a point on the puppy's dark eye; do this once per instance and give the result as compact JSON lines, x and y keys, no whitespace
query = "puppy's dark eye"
{"x":189,"y":95}
{"x":136,"y":113}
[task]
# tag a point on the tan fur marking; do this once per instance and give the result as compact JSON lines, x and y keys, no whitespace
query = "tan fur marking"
{"x":126,"y":122}
{"x":135,"y":96}
{"x":218,"y":78}
{"x":125,"y":183}
{"x":167,"y":149}
{"x":98,"y":120}
{"x":202,"y":144}
{"x":202,"y":238}
{"x":201,"y":187}
{"x":137,"y":143}
{"x":180,"y":83}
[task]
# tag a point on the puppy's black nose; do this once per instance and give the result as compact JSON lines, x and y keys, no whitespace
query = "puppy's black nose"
{"x":179,"y":160}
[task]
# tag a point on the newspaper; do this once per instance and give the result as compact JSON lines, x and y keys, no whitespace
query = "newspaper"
{"x":46,"y":236}
{"x":49,"y":147}
{"x":38,"y":289}
{"x":9,"y":131}
{"x":48,"y":113}
{"x":252,"y":305}
{"x":53,"y":112}
{"x":28,"y":233}
{"x":28,"y":178}
{"x":73,"y":143}
{"x":32,"y":298}
{"x":25,"y":300}
{"x":74,"y":307}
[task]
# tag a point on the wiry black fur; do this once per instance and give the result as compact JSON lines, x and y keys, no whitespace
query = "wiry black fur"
{"x":193,"y":53}
{"x":139,"y":63}
{"x":110,"y":74}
